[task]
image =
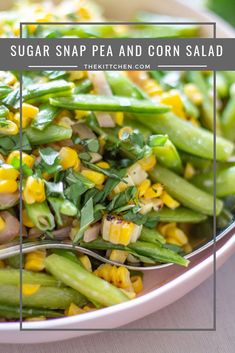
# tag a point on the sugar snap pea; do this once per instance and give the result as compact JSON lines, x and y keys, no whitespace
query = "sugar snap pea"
{"x":51,"y":133}
{"x":40,"y":215}
{"x":110,"y":104}
{"x":14,"y":312}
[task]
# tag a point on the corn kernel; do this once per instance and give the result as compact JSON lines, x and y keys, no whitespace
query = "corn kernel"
{"x":156,"y":190}
{"x":95,"y":177}
{"x":174,"y":100}
{"x":8,"y":173}
{"x":34,"y":190}
{"x":73,"y":309}
{"x":26,"y":220}
{"x":119,"y":118}
{"x":80,"y":114}
{"x":35,"y":261}
{"x":137,"y":283}
{"x":151,"y":87}
{"x":86,"y":262}
{"x":189,"y":171}
{"x":143,"y":187}
{"x":178,"y":235}
{"x":118,"y":256}
{"x":193,"y":93}
{"x":2,"y":224}
{"x":126,"y":233}
{"x":103,"y":165}
{"x":26,"y":158}
{"x":124,"y":133}
{"x":9,"y":129}
{"x":69,"y":158}
{"x":30,"y":289}
{"x":169,"y":201}
{"x":29,"y":110}
{"x":118,"y":276}
{"x":114,"y":234}
{"x":8,"y":186}
{"x":148,"y":163}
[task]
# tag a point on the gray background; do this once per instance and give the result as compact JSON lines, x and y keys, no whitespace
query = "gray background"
{"x":194,"y":306}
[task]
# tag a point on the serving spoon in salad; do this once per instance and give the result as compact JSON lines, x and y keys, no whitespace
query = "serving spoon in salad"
{"x":13,"y":249}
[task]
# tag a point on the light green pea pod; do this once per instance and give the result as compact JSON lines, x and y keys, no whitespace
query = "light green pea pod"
{"x":166,"y":152}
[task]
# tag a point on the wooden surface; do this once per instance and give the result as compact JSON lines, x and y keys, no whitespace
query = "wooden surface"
{"x":195,"y":307}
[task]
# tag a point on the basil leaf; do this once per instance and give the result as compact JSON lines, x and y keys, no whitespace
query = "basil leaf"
{"x":87,"y":217}
{"x":45,"y":116}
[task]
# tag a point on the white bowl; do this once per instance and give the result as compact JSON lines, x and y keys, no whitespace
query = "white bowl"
{"x":162,"y":287}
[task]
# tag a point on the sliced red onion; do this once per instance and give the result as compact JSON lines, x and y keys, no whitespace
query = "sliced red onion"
{"x":8,"y":200}
{"x":92,"y":232}
{"x":83,"y":131}
{"x":102,"y":87}
{"x":12,"y":228}
{"x":62,"y":233}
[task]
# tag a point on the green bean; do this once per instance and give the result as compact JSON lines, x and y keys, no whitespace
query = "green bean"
{"x":180,"y":214}
{"x":48,"y":89}
{"x":158,"y":253}
{"x":14,"y":312}
{"x":12,"y":276}
{"x":188,"y":194}
{"x":45,"y":116}
{"x":84,"y":86}
{"x":44,"y":298}
{"x":225,"y":182}
{"x":91,"y":286}
{"x":184,"y":135}
{"x":40,"y":215}
{"x":110,"y":104}
{"x":51,"y":133}
{"x":228,"y":119}
{"x":151,"y":236}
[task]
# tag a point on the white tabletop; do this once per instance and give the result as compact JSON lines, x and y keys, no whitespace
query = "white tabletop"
{"x":195,"y":307}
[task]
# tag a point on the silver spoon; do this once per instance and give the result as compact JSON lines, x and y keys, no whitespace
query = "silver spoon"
{"x":12,"y":249}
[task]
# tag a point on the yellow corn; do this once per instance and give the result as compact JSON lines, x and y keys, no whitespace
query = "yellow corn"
{"x":69,"y":158}
{"x":76,"y":75}
{"x":126,"y":233}
{"x":11,"y":79}
{"x":169,"y":201}
{"x":26,"y":158}
{"x":173,"y":234}
{"x":29,"y":112}
{"x":137,"y":283}
{"x":119,"y":117}
{"x":86,"y":262}
{"x":114,"y":233}
{"x":8,"y":186}
{"x":103,"y":165}
{"x":95,"y":177}
{"x":84,"y":13}
{"x":118,"y":276}
{"x":2,"y":264}
{"x":30,"y":289}
{"x":7,"y":172}
{"x":148,"y":163}
{"x":88,"y":307}
{"x":174,"y":100}
{"x":118,"y":256}
{"x":2,"y":224}
{"x":124,"y":132}
{"x":65,"y":121}
{"x":193,"y":93}
{"x":143,"y":187}
{"x":26,"y":220}
{"x":156,"y":190}
{"x":9,"y":129}
{"x":151,"y":87}
{"x":189,"y":171}
{"x":80,"y":114}
{"x":35,"y":261}
{"x":34,"y":190}
{"x":73,"y":309}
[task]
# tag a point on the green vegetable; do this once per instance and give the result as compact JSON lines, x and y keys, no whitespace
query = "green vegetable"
{"x":91,"y":286}
{"x":151,"y":236}
{"x":186,"y":193}
{"x":12,"y":277}
{"x":40,"y":215}
{"x":228,"y":119}
{"x":51,"y":133}
{"x":180,"y":214}
{"x":87,"y":217}
{"x":14,"y":312}
{"x":45,"y":116}
{"x":225,"y":182}
{"x":44,"y":298}
{"x":110,"y":104}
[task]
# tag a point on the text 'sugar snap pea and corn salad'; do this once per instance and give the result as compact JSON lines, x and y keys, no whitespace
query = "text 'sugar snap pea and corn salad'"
{"x":118,"y":162}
